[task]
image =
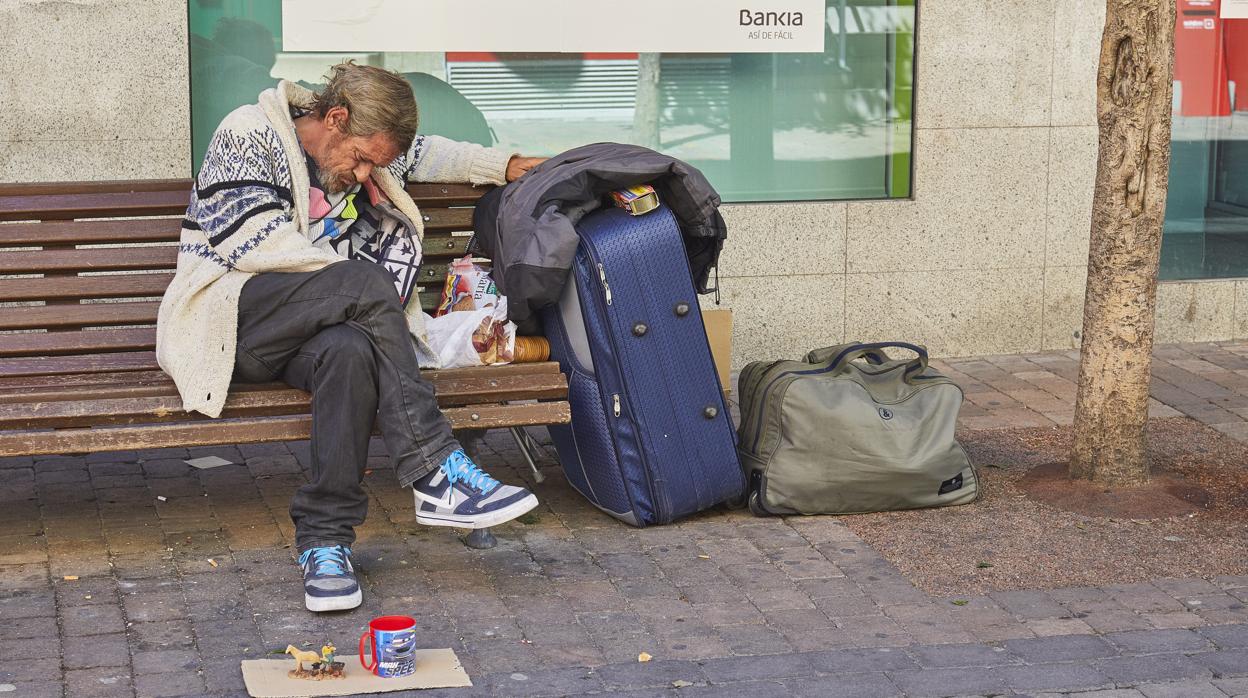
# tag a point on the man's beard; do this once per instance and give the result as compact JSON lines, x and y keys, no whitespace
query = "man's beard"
{"x":334,"y":182}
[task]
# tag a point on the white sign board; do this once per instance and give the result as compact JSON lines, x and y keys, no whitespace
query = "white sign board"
{"x":558,"y":26}
{"x":1234,"y":9}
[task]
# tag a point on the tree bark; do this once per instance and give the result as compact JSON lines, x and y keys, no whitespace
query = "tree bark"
{"x":648,"y":107}
{"x":1133,"y":93}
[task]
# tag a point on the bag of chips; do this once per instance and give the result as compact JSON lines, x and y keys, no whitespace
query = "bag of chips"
{"x":468,"y":287}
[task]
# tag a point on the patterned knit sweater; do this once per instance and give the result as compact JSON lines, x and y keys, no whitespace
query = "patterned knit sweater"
{"x":249,"y":214}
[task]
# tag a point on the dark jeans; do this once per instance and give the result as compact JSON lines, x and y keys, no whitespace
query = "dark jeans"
{"x":340,"y":334}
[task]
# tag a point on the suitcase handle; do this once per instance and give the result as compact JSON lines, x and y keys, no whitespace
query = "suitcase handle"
{"x":840,"y":356}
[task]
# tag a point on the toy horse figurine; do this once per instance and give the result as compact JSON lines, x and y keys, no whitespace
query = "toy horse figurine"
{"x":322,"y":666}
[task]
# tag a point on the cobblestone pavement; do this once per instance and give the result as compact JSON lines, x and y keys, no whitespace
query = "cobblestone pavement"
{"x":134,"y":574}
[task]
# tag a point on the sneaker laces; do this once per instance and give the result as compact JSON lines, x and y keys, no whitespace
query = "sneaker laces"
{"x":327,"y":561}
{"x":458,"y":466}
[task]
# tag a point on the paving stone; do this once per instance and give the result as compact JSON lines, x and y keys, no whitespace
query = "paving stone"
{"x":182,"y":683}
{"x":160,"y":636}
{"x":165,"y":661}
{"x":874,"y":685}
{"x":1226,"y":636}
{"x":1108,"y":693}
{"x":1144,"y":598}
{"x":1232,"y":687}
{"x":1060,"y":649}
{"x":1048,"y":627}
{"x":1155,"y":667}
{"x":1065,"y":676}
{"x":1179,"y":587}
{"x":754,"y":640}
{"x":37,"y":689}
{"x":1030,"y":604}
{"x":748,"y":689}
{"x":30,"y":648}
{"x":1174,"y":619}
{"x":92,"y":620}
{"x":19,"y":628}
{"x":733,"y":669}
{"x":965,"y":655}
{"x":98,"y":683}
{"x":650,"y":674}
{"x":546,"y":682}
{"x":27,"y":604}
{"x":1225,"y":664}
{"x":861,"y":660}
{"x":1148,"y":641}
{"x":1181,"y":689}
{"x":144,"y":608}
{"x":948,"y":682}
{"x":94,"y":651}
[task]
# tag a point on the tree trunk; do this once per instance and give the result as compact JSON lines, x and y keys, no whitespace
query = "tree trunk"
{"x":648,"y":106}
{"x":1133,"y":93}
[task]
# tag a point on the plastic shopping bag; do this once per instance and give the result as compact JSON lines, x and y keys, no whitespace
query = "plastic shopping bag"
{"x":473,"y":337}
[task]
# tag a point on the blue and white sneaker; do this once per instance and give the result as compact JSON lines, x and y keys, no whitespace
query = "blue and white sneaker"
{"x":460,"y":494}
{"x":329,"y":582}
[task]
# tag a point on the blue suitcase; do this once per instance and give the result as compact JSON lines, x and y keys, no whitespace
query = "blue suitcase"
{"x":651,"y":439}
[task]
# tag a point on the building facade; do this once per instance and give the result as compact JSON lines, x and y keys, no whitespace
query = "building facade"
{"x":987,"y":254}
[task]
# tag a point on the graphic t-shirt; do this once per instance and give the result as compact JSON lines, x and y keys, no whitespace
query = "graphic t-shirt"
{"x":347,"y":223}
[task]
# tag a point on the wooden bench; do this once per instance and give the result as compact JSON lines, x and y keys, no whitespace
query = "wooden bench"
{"x":81,"y":274}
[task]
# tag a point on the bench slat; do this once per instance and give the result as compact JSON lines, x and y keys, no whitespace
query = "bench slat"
{"x":78,"y":342}
{"x":139,"y":198}
{"x":93,"y":205}
{"x":165,"y":257}
{"x":258,"y":430}
{"x":105,"y":186}
{"x":79,"y":287}
{"x":95,"y":369}
{"x":105,"y":314}
{"x":49,"y":366}
{"x":99,"y":259}
{"x":438,"y":221}
{"x":12,"y":386}
{"x":80,"y":315}
{"x":158,"y":401}
{"x":90,"y":232}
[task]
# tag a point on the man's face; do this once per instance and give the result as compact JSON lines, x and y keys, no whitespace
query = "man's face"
{"x":346,"y":160}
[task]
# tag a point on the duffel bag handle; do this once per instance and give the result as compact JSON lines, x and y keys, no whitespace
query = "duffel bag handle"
{"x":840,"y":356}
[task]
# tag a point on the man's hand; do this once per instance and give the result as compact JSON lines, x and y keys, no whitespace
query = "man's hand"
{"x":517,"y":166}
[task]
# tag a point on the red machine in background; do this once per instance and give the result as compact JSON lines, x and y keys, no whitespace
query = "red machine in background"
{"x":1209,"y":53}
{"x":1200,"y":59}
{"x":1235,"y":40}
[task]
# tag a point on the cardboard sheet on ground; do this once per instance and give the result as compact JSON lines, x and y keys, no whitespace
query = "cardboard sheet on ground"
{"x":207,"y":462}
{"x":267,"y":678}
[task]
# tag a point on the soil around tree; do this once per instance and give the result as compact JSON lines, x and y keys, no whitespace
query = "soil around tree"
{"x":1034,"y":529}
{"x":1164,"y":496}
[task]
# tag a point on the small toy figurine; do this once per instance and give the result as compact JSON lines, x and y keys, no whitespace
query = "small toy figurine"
{"x":322,"y":666}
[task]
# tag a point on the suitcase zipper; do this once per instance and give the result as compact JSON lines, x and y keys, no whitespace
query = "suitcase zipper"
{"x":661,"y":506}
{"x":606,"y":287}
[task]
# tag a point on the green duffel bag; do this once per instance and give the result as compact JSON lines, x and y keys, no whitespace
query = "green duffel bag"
{"x":834,"y":435}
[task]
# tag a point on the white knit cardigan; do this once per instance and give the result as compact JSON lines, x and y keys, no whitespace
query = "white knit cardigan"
{"x":249,"y":214}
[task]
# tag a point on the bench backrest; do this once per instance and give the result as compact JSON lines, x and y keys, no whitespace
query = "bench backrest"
{"x":83,"y":266}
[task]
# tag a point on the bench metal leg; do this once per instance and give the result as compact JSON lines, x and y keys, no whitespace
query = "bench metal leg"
{"x":480,"y":539}
{"x":526,"y":445}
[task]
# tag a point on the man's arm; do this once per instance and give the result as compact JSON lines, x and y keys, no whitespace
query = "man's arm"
{"x":438,"y":159}
{"x":242,"y":204}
